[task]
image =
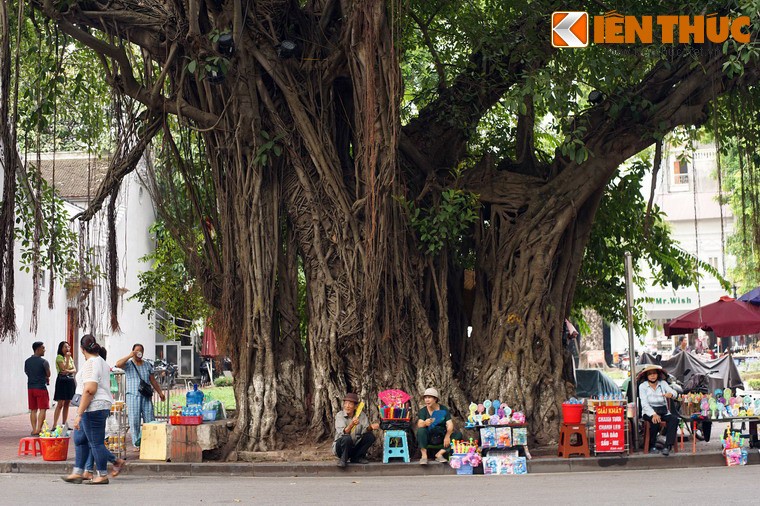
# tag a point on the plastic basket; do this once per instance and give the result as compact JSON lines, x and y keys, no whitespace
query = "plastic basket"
{"x":54,"y":448}
{"x":190,"y":420}
{"x":465,"y":469}
{"x":572,"y":413}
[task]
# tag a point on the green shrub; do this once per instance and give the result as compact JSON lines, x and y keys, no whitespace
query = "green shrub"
{"x":754,"y":384}
{"x":223,"y":381}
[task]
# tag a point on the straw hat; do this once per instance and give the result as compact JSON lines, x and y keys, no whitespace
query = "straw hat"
{"x":642,"y":375}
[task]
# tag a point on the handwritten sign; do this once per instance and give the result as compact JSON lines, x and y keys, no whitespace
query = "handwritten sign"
{"x":609,"y":431}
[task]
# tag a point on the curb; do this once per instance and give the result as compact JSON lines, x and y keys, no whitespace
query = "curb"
{"x":539,"y":465}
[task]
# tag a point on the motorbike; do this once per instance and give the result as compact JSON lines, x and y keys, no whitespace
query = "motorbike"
{"x":165,"y":373}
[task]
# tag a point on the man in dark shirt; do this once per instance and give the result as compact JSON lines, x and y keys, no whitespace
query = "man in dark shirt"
{"x":37,"y":372}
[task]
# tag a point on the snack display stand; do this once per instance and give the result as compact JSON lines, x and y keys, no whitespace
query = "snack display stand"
{"x":116,"y":437}
{"x":116,"y":440}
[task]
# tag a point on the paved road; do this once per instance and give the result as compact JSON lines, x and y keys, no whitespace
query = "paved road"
{"x":708,"y":486}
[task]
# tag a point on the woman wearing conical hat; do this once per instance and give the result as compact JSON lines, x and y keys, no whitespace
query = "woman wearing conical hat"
{"x":655,"y":395}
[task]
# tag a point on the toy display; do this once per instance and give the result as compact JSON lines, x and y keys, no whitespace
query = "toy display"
{"x":492,"y":413}
{"x":720,"y":404}
{"x":466,"y":456}
{"x":735,"y":449}
{"x":505,"y":463}
{"x":500,"y":429}
{"x":59,"y":431}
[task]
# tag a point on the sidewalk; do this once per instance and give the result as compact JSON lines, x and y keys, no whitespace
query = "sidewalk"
{"x":544,"y":461}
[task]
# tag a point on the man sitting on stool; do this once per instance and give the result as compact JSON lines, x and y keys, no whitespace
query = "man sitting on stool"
{"x":353,"y":435}
{"x":655,"y":394}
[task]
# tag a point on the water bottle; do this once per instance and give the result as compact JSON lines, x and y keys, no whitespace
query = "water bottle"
{"x":195,"y":396}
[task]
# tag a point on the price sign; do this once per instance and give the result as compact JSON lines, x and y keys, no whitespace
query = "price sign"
{"x":609,"y":431}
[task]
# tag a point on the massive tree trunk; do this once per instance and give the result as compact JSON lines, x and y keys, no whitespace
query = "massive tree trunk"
{"x":378,"y":308}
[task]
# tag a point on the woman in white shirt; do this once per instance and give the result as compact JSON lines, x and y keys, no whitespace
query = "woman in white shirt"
{"x":655,"y":395}
{"x":92,"y":413}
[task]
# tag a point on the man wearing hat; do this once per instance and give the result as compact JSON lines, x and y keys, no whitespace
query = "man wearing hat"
{"x":434,"y":427}
{"x":353,"y":434}
{"x":655,"y":395}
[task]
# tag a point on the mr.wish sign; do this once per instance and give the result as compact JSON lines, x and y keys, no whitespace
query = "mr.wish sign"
{"x":609,"y":432}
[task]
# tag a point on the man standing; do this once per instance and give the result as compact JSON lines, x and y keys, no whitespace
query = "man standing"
{"x":682,"y":345}
{"x":37,"y":371}
{"x":353,"y":434}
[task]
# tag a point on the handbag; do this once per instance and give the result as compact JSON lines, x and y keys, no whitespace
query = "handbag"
{"x":145,"y":389}
{"x":76,"y":400}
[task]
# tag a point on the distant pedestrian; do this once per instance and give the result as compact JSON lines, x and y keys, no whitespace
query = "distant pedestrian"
{"x":682,"y":345}
{"x":37,"y":372}
{"x":65,"y":384}
{"x":139,"y":406}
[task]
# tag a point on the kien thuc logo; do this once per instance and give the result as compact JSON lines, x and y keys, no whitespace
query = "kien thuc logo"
{"x":569,"y":29}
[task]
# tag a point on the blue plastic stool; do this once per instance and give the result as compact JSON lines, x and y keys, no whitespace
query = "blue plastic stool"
{"x":399,"y":450}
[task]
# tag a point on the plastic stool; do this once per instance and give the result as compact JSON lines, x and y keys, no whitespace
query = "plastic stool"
{"x":565,"y":434}
{"x":29,"y":446}
{"x":399,"y":450}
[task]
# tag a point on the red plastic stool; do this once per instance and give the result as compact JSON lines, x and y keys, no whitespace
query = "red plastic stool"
{"x":29,"y":446}
{"x":566,"y":447}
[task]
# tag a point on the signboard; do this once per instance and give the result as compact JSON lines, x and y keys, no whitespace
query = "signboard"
{"x":609,"y":431}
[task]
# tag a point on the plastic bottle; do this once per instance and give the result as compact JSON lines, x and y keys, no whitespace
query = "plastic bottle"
{"x":195,"y":396}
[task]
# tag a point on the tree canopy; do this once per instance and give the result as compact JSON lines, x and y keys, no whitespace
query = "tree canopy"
{"x":378,"y":148}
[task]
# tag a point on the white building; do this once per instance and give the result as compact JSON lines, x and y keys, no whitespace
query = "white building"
{"x":687,"y":193}
{"x":135,"y":214}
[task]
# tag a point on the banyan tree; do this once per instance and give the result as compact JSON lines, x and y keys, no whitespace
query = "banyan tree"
{"x":380,"y":149}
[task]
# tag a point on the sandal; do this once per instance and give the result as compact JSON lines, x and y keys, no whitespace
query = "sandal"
{"x":423,"y":461}
{"x":117,"y":467}
{"x":101,"y":482}
{"x":87,"y":475}
{"x":74,"y":478}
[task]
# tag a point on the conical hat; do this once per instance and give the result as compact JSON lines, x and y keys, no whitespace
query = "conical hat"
{"x":642,"y":374}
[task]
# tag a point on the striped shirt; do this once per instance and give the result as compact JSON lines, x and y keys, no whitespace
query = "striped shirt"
{"x":133,"y":378}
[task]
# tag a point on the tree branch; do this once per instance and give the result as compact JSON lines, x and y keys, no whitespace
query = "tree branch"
{"x":442,"y":84}
{"x":442,"y":129}
{"x":120,"y":167}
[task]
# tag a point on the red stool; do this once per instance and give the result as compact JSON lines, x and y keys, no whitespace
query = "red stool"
{"x":29,"y":446}
{"x":566,"y":447}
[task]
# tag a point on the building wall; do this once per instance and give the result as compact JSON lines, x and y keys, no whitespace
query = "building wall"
{"x":133,"y":242}
{"x":690,"y":203}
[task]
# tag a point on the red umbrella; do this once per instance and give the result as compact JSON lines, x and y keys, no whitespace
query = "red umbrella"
{"x":726,"y":317}
{"x":209,"y":343}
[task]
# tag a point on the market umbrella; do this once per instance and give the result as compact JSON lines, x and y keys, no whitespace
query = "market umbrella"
{"x":208,"y":349}
{"x":753,"y":296}
{"x":726,"y":317}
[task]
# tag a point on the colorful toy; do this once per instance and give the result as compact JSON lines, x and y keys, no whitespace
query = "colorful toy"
{"x":473,"y":408}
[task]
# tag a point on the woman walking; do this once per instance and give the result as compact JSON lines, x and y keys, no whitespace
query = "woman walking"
{"x":92,"y":413}
{"x":65,"y":384}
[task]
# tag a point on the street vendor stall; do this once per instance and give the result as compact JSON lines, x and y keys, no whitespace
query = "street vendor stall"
{"x":500,"y":444}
